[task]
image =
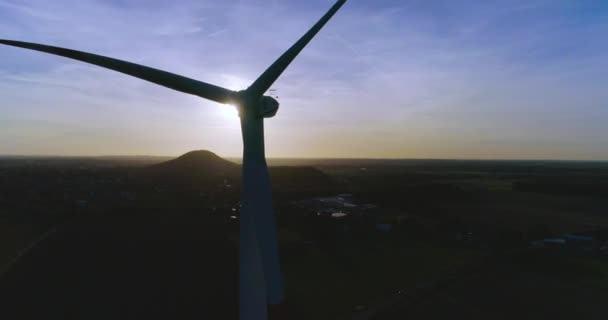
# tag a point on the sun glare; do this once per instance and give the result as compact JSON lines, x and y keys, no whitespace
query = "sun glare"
{"x":232,"y":82}
{"x":229,"y":112}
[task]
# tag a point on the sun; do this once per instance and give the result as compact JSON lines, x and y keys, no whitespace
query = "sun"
{"x":232,"y":82}
{"x":229,"y":112}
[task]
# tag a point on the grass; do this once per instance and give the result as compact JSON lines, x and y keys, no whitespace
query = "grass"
{"x":321,"y":286}
{"x":13,"y":239}
{"x":581,"y":271}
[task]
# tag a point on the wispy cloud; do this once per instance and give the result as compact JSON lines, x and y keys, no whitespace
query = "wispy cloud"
{"x":31,"y":11}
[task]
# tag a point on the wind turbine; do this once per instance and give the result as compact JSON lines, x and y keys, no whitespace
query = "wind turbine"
{"x":259,"y":272}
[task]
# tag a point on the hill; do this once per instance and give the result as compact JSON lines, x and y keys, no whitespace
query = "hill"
{"x":200,"y":169}
{"x":206,"y":169}
{"x":197,"y":163}
{"x":301,"y":181}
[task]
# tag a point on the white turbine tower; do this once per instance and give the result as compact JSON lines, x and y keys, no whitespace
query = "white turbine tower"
{"x":259,"y":272}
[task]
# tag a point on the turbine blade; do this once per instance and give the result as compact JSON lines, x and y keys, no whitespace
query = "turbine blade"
{"x":163,"y":78}
{"x":263,"y":83}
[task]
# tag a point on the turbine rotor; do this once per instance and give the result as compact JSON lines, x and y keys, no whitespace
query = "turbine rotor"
{"x":262,"y":107}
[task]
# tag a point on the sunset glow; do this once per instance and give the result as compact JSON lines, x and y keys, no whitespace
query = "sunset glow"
{"x":396,"y":79}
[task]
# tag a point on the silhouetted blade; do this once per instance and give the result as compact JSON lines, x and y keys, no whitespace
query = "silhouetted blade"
{"x":163,"y":78}
{"x":263,"y":83}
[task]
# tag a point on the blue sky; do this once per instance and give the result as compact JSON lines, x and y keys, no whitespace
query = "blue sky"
{"x":399,"y":79}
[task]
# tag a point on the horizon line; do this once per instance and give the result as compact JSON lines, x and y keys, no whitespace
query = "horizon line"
{"x":42,"y":156}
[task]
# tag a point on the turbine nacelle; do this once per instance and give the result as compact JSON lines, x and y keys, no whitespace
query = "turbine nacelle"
{"x":268,"y":107}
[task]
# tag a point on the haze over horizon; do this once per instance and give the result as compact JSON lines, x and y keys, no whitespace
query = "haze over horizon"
{"x":384,"y":79}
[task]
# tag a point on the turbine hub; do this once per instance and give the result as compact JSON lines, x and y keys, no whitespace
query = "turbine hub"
{"x":263,"y":107}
